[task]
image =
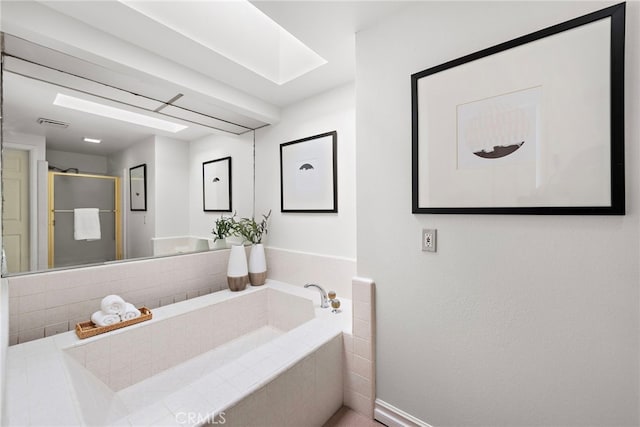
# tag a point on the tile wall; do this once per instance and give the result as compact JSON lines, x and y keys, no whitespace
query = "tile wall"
{"x":306,"y":394}
{"x":48,"y":303}
{"x":298,"y":268}
{"x":359,"y":354}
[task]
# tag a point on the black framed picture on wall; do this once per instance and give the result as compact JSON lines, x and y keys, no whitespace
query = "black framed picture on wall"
{"x":216,"y":185}
{"x":534,"y":125}
{"x":308,"y":174}
{"x":138,"y":188}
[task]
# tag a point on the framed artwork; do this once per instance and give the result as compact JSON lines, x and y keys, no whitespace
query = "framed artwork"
{"x":138,"y":188}
{"x":216,"y":185}
{"x":308,"y":174}
{"x":531,"y":126}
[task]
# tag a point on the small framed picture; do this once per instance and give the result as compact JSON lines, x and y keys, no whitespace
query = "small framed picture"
{"x":138,"y":188}
{"x":308,"y":174}
{"x":216,"y":185}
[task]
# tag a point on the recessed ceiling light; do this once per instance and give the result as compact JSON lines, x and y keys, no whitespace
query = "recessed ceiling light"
{"x":238,"y":31}
{"x":92,"y":140}
{"x":116,"y":113}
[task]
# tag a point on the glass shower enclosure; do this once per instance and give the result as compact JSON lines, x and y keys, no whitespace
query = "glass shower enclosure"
{"x":70,"y":191}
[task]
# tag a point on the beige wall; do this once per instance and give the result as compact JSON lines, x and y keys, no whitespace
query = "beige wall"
{"x":516,"y":320}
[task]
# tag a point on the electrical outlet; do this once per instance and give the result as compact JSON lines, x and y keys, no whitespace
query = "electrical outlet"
{"x":429,"y":240}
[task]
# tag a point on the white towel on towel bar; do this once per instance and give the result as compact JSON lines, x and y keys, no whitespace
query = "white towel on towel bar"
{"x":86,"y":224}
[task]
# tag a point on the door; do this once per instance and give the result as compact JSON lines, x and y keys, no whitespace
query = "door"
{"x":15,"y":209}
{"x":70,"y":191}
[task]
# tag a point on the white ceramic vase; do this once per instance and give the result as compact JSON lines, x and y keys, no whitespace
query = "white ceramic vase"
{"x":237,"y":270}
{"x":257,"y":265}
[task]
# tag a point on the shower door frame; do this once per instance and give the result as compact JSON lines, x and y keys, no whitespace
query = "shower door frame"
{"x":117,"y":211}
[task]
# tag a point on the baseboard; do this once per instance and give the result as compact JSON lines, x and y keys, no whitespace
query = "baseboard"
{"x":391,"y":416}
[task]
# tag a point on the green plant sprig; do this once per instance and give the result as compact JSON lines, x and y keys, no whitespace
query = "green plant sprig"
{"x":251,"y":230}
{"x":225,"y":227}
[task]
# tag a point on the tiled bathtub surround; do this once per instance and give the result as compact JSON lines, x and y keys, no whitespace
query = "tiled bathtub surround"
{"x":299,"y":268}
{"x":359,"y":355}
{"x":307,"y":394}
{"x":47,"y":386}
{"x":48,"y":303}
{"x":177,"y":339}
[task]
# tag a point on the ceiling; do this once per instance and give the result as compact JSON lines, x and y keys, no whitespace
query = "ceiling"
{"x":144,"y":57}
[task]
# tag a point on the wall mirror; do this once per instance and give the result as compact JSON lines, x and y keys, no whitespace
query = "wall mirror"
{"x":71,"y":132}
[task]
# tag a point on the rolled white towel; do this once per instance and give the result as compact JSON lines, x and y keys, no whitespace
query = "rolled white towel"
{"x":113,"y":304}
{"x":130,"y":312}
{"x":101,"y":318}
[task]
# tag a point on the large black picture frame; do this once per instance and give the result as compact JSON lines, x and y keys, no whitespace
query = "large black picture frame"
{"x":457,"y":116}
{"x":309,"y":174}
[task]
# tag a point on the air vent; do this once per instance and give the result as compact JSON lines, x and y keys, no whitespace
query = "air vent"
{"x":52,"y":123}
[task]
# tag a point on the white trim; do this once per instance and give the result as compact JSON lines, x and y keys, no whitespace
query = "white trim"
{"x":341,"y":258}
{"x":33,"y":199}
{"x":394,"y":417}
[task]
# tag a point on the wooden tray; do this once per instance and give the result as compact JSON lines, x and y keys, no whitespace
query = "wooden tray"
{"x":89,"y":329}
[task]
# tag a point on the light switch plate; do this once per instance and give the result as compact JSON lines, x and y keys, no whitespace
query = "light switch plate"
{"x":429,"y":239}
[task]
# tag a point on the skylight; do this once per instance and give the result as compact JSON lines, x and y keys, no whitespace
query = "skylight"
{"x":238,"y":31}
{"x":116,"y":113}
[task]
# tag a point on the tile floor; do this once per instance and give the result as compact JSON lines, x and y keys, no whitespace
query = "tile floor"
{"x":346,"y":417}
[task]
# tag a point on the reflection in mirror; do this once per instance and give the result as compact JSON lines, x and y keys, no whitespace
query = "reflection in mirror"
{"x":69,"y":142}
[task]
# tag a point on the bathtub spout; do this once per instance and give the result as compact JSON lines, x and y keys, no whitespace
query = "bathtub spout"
{"x":324,"y":300}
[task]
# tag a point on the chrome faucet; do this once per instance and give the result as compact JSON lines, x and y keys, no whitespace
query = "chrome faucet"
{"x":324,"y":300}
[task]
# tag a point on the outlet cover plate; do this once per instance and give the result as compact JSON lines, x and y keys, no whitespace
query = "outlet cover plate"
{"x":429,"y":238}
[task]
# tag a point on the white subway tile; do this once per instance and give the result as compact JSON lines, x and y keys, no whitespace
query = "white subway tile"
{"x":362,"y":311}
{"x":362,"y":348}
{"x":14,"y":323}
{"x":30,"y":334}
{"x":34,"y":319}
{"x":57,"y":328}
{"x":360,"y":404}
{"x":362,"y":291}
{"x":361,"y":329}
{"x":56,"y":315}
{"x":362,"y":367}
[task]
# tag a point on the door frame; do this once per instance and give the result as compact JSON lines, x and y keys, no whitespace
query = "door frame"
{"x":33,"y":199}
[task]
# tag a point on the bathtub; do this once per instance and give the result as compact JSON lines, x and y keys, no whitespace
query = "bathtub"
{"x":180,"y":245}
{"x":264,"y":356}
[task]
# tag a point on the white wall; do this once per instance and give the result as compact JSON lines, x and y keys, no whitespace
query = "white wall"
{"x":212,"y":147}
{"x":320,"y":233}
{"x":85,"y":163}
{"x":516,"y":320}
{"x":139,"y":226}
{"x":172,"y":181}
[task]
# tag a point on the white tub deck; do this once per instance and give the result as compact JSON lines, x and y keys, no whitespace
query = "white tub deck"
{"x":46,"y":386}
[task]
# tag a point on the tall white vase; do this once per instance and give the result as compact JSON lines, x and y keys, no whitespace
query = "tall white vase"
{"x":257,"y":265}
{"x":237,"y":270}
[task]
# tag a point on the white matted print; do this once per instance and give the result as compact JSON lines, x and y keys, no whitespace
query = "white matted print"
{"x":498,"y":130}
{"x":573,"y":119}
{"x":216,"y":185}
{"x":308,"y":174}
